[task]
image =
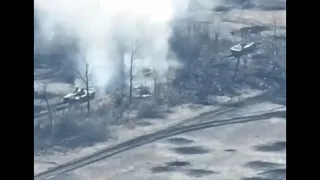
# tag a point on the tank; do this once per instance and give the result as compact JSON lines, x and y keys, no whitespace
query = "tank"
{"x":243,"y":48}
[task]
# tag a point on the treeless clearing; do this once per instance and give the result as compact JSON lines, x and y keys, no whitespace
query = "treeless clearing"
{"x":256,"y":17}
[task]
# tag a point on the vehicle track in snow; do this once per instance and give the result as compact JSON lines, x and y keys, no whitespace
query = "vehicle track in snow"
{"x":57,"y":107}
{"x":149,"y":138}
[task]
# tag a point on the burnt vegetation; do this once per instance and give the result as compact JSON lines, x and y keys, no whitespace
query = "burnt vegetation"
{"x":208,"y":70}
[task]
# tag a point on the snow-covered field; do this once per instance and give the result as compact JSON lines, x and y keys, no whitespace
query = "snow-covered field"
{"x":234,"y":151}
{"x":118,"y":135}
{"x":246,"y":150}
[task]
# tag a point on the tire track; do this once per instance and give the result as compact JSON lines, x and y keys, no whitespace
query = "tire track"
{"x":149,"y":138}
{"x":228,"y":108}
{"x":57,"y":107}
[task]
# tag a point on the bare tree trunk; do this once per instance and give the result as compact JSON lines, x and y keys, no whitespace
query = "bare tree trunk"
{"x":50,"y":113}
{"x":46,"y":99}
{"x":131,"y":78}
{"x":188,"y":28}
{"x":189,"y":49}
{"x":85,"y":78}
{"x":155,"y":85}
{"x":241,"y":35}
{"x":121,"y":66}
{"x":87,"y":88}
{"x":216,"y":43}
{"x":69,"y":108}
{"x":237,"y":67}
{"x":134,"y":50}
{"x":274,"y":43}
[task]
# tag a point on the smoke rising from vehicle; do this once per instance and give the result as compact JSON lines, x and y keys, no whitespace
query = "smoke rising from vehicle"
{"x":107,"y":30}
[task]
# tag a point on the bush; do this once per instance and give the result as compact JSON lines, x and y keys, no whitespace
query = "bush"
{"x":151,"y":110}
{"x":71,"y":132}
{"x":83,"y":134}
{"x":221,"y":8}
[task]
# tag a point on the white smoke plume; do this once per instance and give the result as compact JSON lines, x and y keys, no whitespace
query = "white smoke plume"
{"x":99,"y":26}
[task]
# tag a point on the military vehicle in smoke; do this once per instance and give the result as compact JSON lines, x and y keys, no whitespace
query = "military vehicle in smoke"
{"x":147,"y":72}
{"x":142,"y":91}
{"x":243,"y":48}
{"x":79,"y":95}
{"x":240,"y":49}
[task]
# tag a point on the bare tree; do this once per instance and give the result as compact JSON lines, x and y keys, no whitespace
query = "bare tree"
{"x":274,"y":42}
{"x":134,"y":50}
{"x":155,"y":82}
{"x":237,"y":67}
{"x":216,"y":42}
{"x":151,"y":73}
{"x":44,"y":97}
{"x":84,"y":76}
